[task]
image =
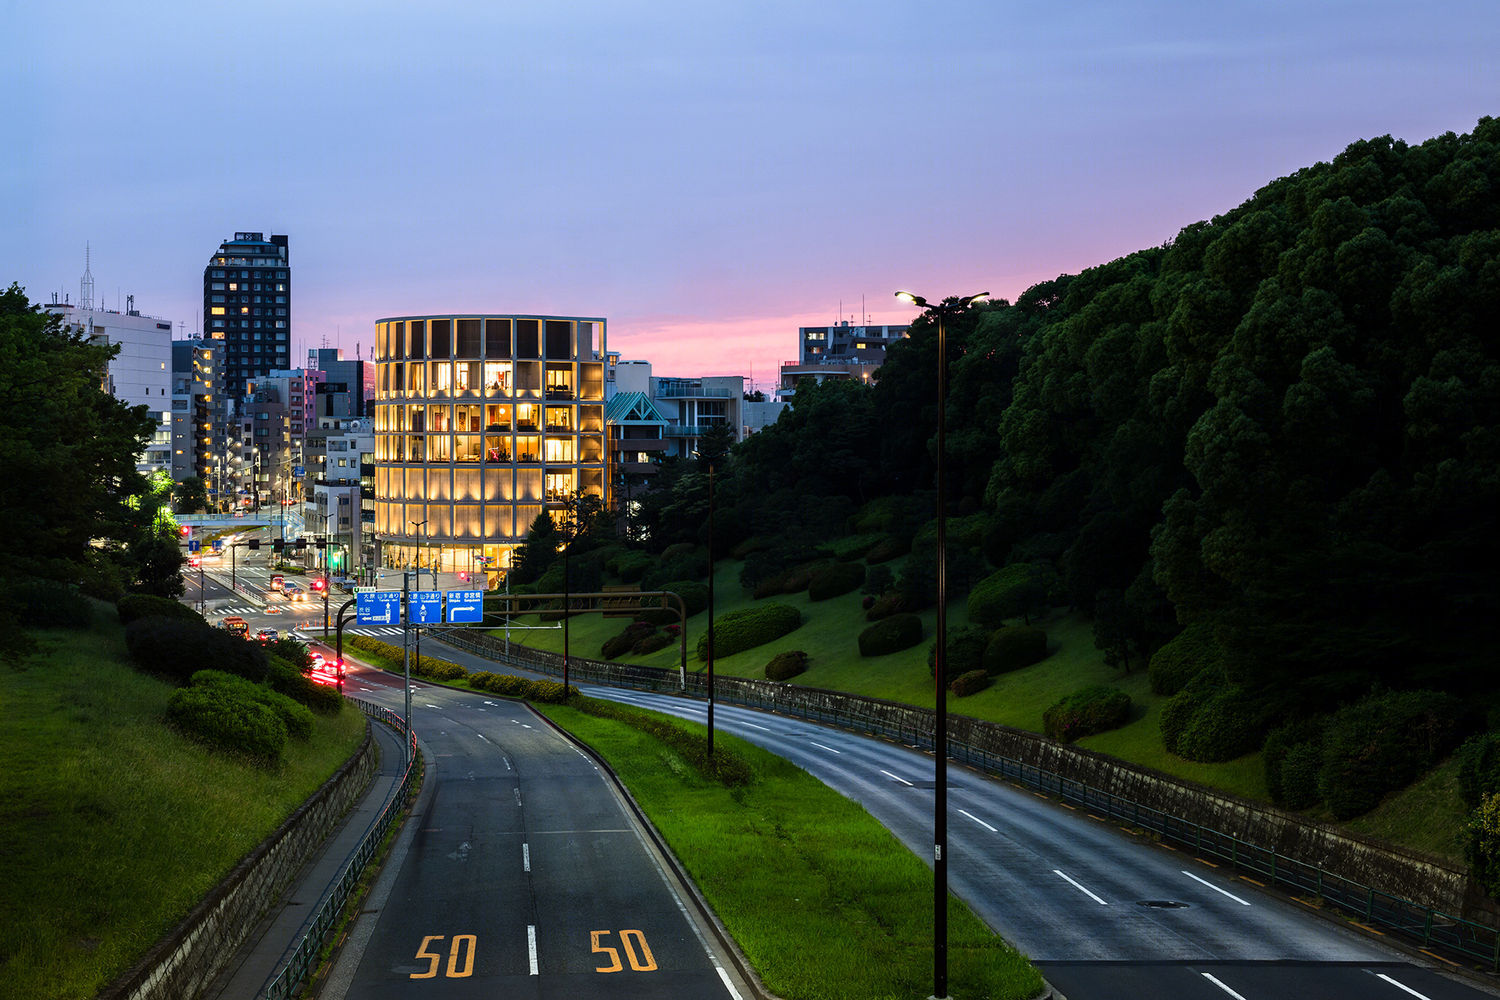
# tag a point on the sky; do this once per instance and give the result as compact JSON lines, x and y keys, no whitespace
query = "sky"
{"x":707,"y":176}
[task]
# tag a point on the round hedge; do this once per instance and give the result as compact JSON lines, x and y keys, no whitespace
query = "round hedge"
{"x":1006,"y":593}
{"x":888,"y":548}
{"x":133,"y":607}
{"x":738,"y":631}
{"x":1182,"y":659}
{"x":290,"y":681}
{"x":51,"y":604}
{"x":1382,"y":743}
{"x":1087,"y":711}
{"x":1222,"y":728}
{"x":220,"y":719}
{"x":1013,"y":648}
{"x":651,"y":643}
{"x":1299,"y":776}
{"x":785,"y":666}
{"x":835,"y":580}
{"x":176,"y":648}
{"x":886,"y":605}
{"x":891,"y":635}
{"x":971,"y":682}
{"x":296,"y":717}
{"x":965,"y":650}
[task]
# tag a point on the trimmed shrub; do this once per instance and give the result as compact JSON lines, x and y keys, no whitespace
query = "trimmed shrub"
{"x":1482,"y":849}
{"x":1384,"y":742}
{"x":677,"y":550}
{"x":1478,"y":768}
{"x":631,"y":566}
{"x":296,"y":717}
{"x":421,"y":666}
{"x":292,"y":651}
{"x":971,"y":682}
{"x":51,"y":604}
{"x":652,"y":643}
{"x":227,"y":722}
{"x":878,"y":580}
{"x":694,"y":599}
{"x":891,"y":635}
{"x":893,"y":603}
{"x":1299,"y":776}
{"x":133,"y":607}
{"x":785,"y":666}
{"x":771,"y":586}
{"x":1280,"y":742}
{"x":616,"y":645}
{"x":966,"y":644}
{"x":1223,"y":727}
{"x":755,"y":543}
{"x":889,"y":547}
{"x":1087,"y":711}
{"x":741,"y":630}
{"x":176,"y":649}
{"x":290,"y":681}
{"x":1016,"y":591}
{"x":510,"y":686}
{"x":835,"y":580}
{"x":798,"y":578}
{"x":1013,"y":648}
{"x":853,"y":547}
{"x":692,"y":566}
{"x":1183,"y":658}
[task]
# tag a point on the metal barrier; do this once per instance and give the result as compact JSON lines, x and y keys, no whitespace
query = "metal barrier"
{"x":305,"y":956}
{"x":1427,"y":927}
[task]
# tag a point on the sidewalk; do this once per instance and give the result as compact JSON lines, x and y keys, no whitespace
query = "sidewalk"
{"x":272,"y":940}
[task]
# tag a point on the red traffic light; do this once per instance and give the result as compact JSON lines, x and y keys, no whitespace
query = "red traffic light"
{"x":194,"y":562}
{"x":187,"y":530}
{"x":319,"y":584}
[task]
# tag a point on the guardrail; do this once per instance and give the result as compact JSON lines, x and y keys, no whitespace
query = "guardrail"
{"x":305,"y":956}
{"x":1423,"y":925}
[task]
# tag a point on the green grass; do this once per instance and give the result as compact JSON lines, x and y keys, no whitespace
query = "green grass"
{"x":822,"y":899}
{"x":115,"y":826}
{"x":1427,"y":816}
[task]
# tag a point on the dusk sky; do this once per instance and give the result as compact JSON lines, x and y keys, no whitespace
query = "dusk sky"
{"x":706,"y":176}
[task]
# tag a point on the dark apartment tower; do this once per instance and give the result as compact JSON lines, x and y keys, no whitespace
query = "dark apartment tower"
{"x":247,"y":305}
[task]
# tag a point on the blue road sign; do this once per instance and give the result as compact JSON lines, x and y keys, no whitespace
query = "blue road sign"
{"x":194,"y":545}
{"x":425,"y":608}
{"x":381,"y":607}
{"x":218,"y":545}
{"x":465,"y":607}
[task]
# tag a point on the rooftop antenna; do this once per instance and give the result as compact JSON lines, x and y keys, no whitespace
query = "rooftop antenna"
{"x":86,"y":286}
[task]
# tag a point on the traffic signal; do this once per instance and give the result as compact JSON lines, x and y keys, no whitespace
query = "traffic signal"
{"x":255,"y":543}
{"x":336,"y":560}
{"x":278,"y":545}
{"x":322,"y":543}
{"x":194,"y":562}
{"x":319,"y":584}
{"x":187,"y":531}
{"x":301,"y":543}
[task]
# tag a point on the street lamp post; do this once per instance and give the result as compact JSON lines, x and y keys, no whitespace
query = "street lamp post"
{"x":940,"y":787}
{"x":423,"y":526}
{"x":568,"y":509}
{"x":711,"y":459}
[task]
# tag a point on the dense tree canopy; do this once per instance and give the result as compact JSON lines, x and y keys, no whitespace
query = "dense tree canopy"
{"x":68,"y":450}
{"x":1284,"y":425}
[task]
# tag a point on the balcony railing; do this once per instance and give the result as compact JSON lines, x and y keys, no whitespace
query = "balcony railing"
{"x":664,"y":391}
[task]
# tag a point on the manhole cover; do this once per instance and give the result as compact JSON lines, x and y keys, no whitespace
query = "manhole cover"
{"x":1162,"y":904}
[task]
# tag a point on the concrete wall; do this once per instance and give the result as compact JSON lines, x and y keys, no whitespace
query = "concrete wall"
{"x":186,"y":960}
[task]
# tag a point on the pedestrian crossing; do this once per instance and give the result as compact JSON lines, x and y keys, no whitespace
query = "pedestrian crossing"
{"x":237,"y":611}
{"x":374,"y":633}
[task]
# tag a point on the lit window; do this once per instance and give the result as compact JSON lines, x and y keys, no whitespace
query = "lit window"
{"x":216,"y":311}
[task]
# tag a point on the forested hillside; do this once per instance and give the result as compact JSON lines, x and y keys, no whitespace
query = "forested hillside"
{"x":1265,"y":457}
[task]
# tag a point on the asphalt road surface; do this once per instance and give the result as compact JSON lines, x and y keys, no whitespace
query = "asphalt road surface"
{"x":524,"y":874}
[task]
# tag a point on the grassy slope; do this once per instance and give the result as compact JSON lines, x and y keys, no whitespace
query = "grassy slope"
{"x":115,"y":826}
{"x":1429,"y":821}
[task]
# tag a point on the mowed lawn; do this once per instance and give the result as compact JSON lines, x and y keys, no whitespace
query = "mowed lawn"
{"x":114,"y":825}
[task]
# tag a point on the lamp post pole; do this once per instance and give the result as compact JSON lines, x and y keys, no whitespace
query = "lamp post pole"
{"x":940,"y":786}
{"x":568,"y":509}
{"x":423,"y":525}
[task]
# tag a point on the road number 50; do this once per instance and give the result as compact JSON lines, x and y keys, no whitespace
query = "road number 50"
{"x":462,"y":944}
{"x":630,"y":940}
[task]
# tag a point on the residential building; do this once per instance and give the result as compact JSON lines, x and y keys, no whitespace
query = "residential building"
{"x":481,"y":423}
{"x":688,"y":405}
{"x":140,"y":374}
{"x":340,"y":504}
{"x":357,"y":378}
{"x":840,"y":351}
{"x":198,"y":412}
{"x":247,"y":305}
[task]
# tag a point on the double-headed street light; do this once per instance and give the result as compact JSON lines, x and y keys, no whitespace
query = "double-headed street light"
{"x":951,"y":307}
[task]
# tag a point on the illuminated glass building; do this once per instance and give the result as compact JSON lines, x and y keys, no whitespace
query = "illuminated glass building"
{"x":481,"y":422}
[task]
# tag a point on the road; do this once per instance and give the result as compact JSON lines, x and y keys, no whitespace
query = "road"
{"x":1104,"y":913}
{"x":522,"y":874}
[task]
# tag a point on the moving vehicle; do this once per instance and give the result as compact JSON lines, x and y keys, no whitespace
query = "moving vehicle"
{"x":267,"y":635}
{"x":294,"y":592}
{"x":237,"y":625}
{"x":277,"y":581}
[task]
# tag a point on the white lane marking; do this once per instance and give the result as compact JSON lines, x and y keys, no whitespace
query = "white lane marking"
{"x":822,"y":747}
{"x":507,"y":763}
{"x":518,"y":796}
{"x":432,"y":706}
{"x":898,"y":778}
{"x":1081,"y":889}
{"x":526,"y":856}
{"x":524,"y":726}
{"x":531,"y":949}
{"x":1221,"y":986}
{"x":1400,"y":986}
{"x":1217,"y":889}
{"x":481,"y":736}
{"x":489,"y":703}
{"x":727,"y":984}
{"x":762,"y":729}
{"x":979,"y":821}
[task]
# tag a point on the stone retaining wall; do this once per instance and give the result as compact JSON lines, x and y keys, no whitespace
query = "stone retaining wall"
{"x":187,"y":959}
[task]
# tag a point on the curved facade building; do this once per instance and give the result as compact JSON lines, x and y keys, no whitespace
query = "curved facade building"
{"x":481,"y":422}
